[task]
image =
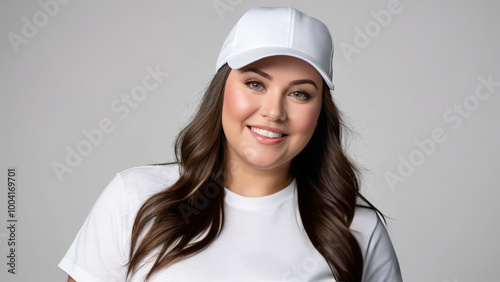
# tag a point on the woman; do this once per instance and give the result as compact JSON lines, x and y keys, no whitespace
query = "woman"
{"x":261,"y":191}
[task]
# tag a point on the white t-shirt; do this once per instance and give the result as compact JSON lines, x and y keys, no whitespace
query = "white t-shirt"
{"x":263,"y":238}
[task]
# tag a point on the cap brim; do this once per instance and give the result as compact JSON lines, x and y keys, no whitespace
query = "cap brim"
{"x":243,"y":59}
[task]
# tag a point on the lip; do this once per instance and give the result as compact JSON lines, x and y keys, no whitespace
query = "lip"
{"x":266,"y":140}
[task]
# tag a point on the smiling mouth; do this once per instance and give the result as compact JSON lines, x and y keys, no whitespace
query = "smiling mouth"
{"x":266,"y":133}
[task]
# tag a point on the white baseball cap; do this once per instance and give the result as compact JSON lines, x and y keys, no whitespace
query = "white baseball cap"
{"x":270,"y":31}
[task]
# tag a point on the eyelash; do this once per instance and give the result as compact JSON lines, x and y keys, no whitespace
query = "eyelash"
{"x":303,"y":93}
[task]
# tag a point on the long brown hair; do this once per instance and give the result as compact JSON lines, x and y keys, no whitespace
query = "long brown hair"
{"x":171,"y":224}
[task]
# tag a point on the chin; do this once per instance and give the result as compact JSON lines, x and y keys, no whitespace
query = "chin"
{"x":265,"y":163}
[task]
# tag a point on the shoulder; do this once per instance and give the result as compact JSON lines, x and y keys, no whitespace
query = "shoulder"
{"x":150,"y":176}
{"x":144,"y":181}
{"x":365,"y":224}
{"x":131,"y":187}
{"x":365,"y":218}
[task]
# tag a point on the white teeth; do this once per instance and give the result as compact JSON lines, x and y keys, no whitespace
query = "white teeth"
{"x":266,"y":133}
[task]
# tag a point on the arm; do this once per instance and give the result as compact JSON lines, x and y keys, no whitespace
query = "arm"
{"x":97,"y":253}
{"x":381,"y":263}
{"x":381,"y":260}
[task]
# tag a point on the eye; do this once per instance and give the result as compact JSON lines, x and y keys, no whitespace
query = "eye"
{"x":300,"y":95}
{"x":255,"y":85}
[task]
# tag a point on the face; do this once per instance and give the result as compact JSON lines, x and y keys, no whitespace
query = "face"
{"x":270,"y":110}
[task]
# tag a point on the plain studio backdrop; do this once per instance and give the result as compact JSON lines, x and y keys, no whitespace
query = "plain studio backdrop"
{"x":90,"y":88}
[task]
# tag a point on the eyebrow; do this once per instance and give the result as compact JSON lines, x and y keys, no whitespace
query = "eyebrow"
{"x":303,"y":81}
{"x":267,"y":76}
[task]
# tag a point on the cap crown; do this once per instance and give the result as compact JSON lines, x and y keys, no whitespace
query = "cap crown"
{"x":266,"y":31}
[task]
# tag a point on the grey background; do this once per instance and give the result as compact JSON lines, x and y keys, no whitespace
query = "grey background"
{"x":397,"y":89}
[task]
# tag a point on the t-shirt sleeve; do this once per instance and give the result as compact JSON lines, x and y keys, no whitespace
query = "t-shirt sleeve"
{"x":381,"y":263}
{"x":98,"y":254}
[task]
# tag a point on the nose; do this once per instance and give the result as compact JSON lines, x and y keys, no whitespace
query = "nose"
{"x":273,"y":106}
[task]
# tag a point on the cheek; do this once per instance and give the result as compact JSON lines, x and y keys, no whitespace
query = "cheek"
{"x":304,"y":120}
{"x":238,"y":105}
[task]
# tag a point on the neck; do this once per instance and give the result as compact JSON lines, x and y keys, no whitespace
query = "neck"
{"x":254,"y":182}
